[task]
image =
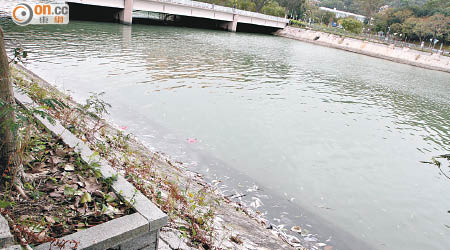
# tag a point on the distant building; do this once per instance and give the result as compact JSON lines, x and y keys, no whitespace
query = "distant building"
{"x":343,"y":14}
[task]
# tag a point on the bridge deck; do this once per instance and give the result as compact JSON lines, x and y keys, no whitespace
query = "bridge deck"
{"x":192,"y":8}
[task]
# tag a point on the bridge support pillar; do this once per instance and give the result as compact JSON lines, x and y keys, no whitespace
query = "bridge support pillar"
{"x":126,"y":15}
{"x":231,"y":26}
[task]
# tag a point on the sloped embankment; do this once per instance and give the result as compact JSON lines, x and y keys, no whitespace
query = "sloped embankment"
{"x":199,"y":215}
{"x":388,"y":52}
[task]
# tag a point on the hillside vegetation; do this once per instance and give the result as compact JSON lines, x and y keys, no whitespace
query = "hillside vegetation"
{"x":409,"y":20}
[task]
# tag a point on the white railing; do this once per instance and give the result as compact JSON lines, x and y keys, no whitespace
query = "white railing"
{"x":223,"y":9}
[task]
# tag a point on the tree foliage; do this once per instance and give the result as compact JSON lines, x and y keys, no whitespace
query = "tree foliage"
{"x":369,"y":8}
{"x":294,"y":8}
{"x":352,"y":25}
{"x":433,"y":7}
{"x":430,"y":21}
{"x":273,"y":9}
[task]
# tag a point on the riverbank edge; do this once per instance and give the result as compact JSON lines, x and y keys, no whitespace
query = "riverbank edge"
{"x":142,"y":226}
{"x":240,"y":226}
{"x":387,"y":52}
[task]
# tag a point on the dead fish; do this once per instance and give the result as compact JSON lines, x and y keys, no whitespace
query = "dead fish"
{"x":253,"y":189}
{"x":256,"y":202}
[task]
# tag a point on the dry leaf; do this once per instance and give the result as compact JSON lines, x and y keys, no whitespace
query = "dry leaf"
{"x":81,"y":210}
{"x":49,"y":219}
{"x":41,"y":236}
{"x":55,"y":194}
{"x":24,"y":217}
{"x":47,"y":208}
{"x":60,"y":152}
{"x":77,"y":201}
{"x":55,"y":160}
{"x":91,"y":185}
{"x":69,"y":168}
{"x":98,"y":193}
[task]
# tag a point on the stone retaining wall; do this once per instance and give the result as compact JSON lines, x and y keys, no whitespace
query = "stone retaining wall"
{"x":389,"y":52}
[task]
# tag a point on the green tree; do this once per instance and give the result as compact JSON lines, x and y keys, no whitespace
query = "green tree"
{"x":259,"y":4}
{"x":401,"y":15}
{"x":409,"y":25}
{"x":369,"y":7}
{"x":438,"y":25}
{"x":396,"y":28}
{"x":383,"y":20}
{"x":352,"y":25}
{"x":247,"y":5}
{"x":323,"y":17}
{"x":273,"y":9}
{"x":404,"y":3}
{"x":421,"y":29}
{"x":432,"y":7}
{"x":294,"y":8}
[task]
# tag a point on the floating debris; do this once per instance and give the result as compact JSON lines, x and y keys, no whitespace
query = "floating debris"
{"x":296,"y":229}
{"x":324,"y":207}
{"x":215,"y":182}
{"x":191,"y":140}
{"x":253,"y":189}
{"x":310,"y":239}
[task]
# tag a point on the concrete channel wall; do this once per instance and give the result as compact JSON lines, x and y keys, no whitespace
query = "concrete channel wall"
{"x":389,"y":52}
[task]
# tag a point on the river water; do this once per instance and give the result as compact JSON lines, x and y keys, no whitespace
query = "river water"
{"x":333,"y":140}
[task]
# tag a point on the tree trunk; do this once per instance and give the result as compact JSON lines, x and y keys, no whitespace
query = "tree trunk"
{"x":432,"y":41}
{"x":8,"y":146}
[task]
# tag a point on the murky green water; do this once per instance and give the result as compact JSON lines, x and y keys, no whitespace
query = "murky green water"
{"x":332,"y":139}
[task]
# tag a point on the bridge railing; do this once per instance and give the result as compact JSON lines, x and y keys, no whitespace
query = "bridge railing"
{"x":201,"y":5}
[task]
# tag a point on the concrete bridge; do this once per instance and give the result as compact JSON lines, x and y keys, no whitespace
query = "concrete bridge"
{"x":230,"y":17}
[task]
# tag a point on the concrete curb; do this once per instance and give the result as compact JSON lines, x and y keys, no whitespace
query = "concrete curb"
{"x":106,"y":235}
{"x":6,"y":238}
{"x":135,"y":231}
